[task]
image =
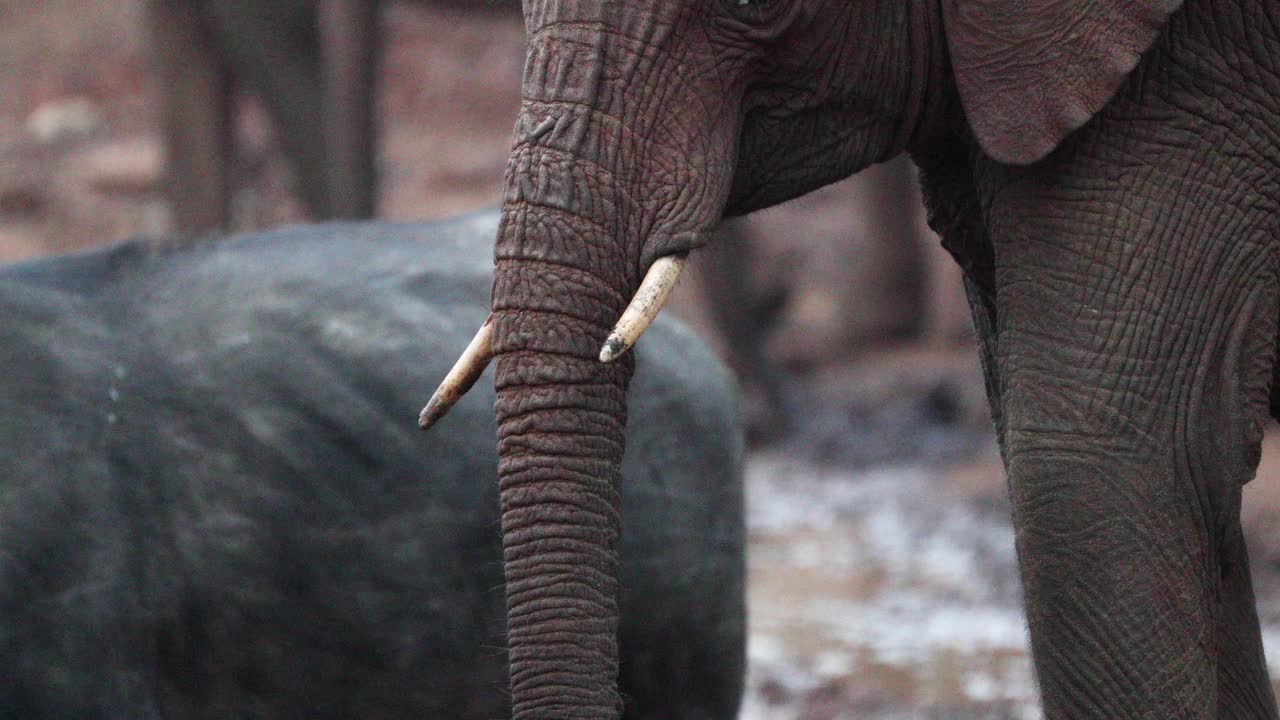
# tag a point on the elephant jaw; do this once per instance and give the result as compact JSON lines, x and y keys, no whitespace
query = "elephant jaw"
{"x":640,"y":313}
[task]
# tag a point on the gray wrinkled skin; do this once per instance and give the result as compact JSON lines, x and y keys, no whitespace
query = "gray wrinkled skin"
{"x":1106,"y":173}
{"x":215,"y":502}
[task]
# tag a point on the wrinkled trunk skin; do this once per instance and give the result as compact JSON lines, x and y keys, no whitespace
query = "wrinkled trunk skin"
{"x":560,"y":277}
{"x":561,"y":415}
{"x":597,"y":188}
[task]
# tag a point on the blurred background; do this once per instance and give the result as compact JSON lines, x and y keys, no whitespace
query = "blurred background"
{"x":883,"y":582}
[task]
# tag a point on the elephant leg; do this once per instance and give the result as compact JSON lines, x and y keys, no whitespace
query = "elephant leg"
{"x":1244,"y":686}
{"x":1134,"y":359}
{"x":984,"y":327}
{"x":892,"y":197}
{"x":349,"y":47}
{"x":1275,"y":384}
{"x":275,"y":48}
{"x":195,"y":113}
{"x":744,"y":321}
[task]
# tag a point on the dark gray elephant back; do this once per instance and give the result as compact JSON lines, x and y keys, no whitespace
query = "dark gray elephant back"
{"x":216,"y":502}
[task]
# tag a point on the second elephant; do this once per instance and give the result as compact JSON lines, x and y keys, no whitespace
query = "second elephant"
{"x":214,"y":502}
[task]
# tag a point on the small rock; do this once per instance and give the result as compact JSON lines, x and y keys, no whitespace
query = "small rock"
{"x":64,"y":119}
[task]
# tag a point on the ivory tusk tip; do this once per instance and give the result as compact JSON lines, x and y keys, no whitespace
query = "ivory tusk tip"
{"x":442,"y":401}
{"x":437,"y":407}
{"x":614,"y":348}
{"x":464,"y":374}
{"x":644,"y":306}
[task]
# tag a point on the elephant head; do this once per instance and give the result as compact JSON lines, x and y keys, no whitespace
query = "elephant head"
{"x":643,"y":124}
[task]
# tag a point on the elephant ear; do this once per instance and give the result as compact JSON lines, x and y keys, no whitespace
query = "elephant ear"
{"x":1029,"y":72}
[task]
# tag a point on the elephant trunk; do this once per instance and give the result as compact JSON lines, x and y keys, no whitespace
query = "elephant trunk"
{"x":561,"y":281}
{"x":577,"y":234}
{"x":561,"y":418}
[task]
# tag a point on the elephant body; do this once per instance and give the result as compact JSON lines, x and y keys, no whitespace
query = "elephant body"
{"x":1106,"y":173}
{"x":214,"y":501}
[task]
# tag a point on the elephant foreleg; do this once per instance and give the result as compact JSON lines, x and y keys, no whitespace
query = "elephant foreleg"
{"x":349,"y":49}
{"x":744,"y":321}
{"x":195,"y":114}
{"x":1244,"y":685}
{"x":274,"y":47}
{"x":1275,"y":381}
{"x":1133,"y":391}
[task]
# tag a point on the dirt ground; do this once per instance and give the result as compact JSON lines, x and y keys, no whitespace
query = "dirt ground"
{"x":883,"y":582}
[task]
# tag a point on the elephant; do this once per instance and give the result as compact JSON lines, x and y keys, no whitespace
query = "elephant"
{"x":1104,"y":173}
{"x":211,"y":506}
{"x":314,"y":65}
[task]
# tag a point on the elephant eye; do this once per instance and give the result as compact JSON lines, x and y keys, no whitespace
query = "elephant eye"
{"x":755,"y":11}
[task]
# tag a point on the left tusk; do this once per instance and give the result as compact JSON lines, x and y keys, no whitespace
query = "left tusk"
{"x":464,"y":374}
{"x":648,"y":301}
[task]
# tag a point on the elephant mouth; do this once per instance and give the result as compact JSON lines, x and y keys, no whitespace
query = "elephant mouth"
{"x":640,"y":313}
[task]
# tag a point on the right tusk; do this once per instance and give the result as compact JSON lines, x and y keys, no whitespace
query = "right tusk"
{"x":464,"y":374}
{"x":648,"y":301}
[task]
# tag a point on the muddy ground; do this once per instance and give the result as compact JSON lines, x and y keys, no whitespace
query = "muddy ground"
{"x":882,"y":569}
{"x":883,"y":580}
